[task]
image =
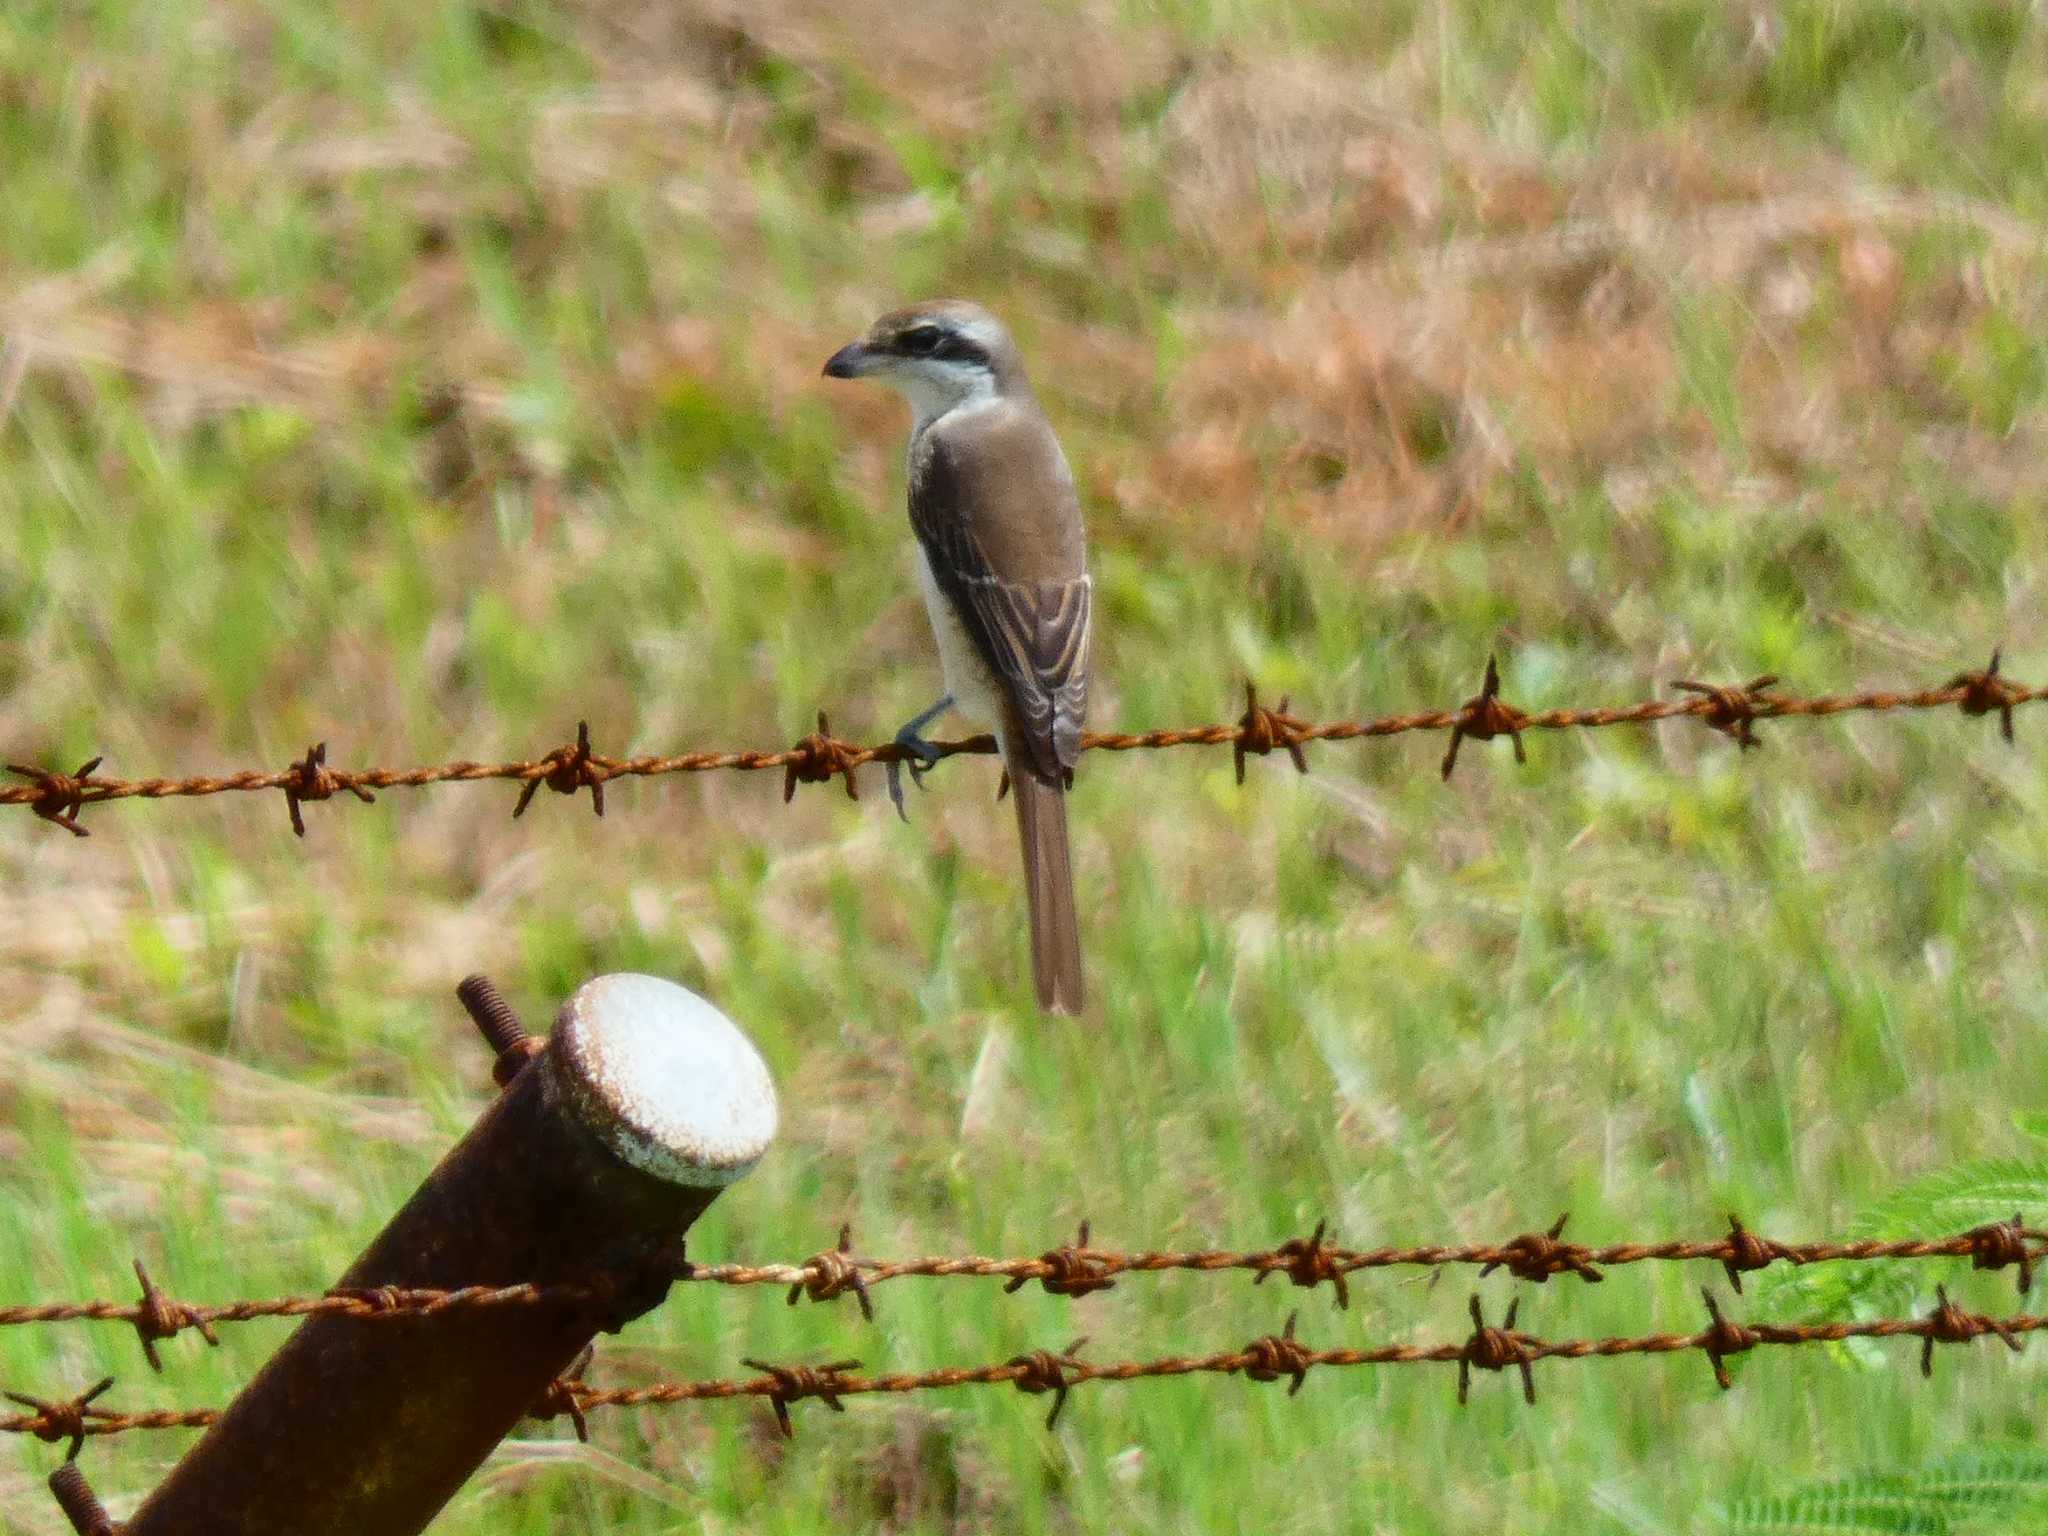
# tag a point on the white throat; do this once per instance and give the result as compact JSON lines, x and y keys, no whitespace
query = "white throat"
{"x":935,"y":392}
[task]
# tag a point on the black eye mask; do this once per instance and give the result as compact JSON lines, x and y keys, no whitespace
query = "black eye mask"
{"x":937,"y":342}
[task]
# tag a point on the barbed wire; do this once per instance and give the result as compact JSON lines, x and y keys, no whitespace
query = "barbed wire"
{"x":1078,"y":1268}
{"x":1272,"y":1357}
{"x":1732,"y":709}
{"x":1075,"y":1269}
{"x":1282,"y":1356}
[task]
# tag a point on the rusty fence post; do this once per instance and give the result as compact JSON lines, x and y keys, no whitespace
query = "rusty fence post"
{"x":585,"y":1171}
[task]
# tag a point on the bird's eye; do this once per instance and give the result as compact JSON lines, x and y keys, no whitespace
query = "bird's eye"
{"x":922,"y":340}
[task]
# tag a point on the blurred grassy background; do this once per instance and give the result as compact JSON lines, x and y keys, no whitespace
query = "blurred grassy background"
{"x":425,"y":377}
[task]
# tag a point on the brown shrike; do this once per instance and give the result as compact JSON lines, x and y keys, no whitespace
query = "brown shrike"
{"x":1004,"y":570}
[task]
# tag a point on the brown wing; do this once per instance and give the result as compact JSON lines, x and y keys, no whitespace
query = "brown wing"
{"x":993,"y":504}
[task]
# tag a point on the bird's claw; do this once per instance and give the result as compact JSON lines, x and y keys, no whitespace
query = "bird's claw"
{"x":895,"y":777}
{"x":923,"y":757}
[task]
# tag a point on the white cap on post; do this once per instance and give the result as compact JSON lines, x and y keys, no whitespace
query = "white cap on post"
{"x":664,"y":1079}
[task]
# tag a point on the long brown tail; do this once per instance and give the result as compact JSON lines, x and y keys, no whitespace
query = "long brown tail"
{"x":1049,"y":883}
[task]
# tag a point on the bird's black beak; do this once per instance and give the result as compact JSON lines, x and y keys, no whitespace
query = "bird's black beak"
{"x":849,"y":362}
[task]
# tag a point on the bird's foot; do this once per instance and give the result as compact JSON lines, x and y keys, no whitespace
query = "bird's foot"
{"x":924,"y":755}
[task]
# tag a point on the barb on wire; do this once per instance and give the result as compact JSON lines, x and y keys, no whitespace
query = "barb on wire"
{"x":1261,"y":730}
{"x":56,"y":797}
{"x":67,"y":1418}
{"x":1272,"y":1357}
{"x":820,"y":757}
{"x":1536,"y":1256}
{"x":559,"y":1401}
{"x":1045,"y":1371}
{"x":1484,"y":717}
{"x":1280,"y":1356}
{"x":567,"y":770}
{"x":157,"y":1317}
{"x":1723,"y":1339}
{"x":1733,"y":710}
{"x":793,"y":1383}
{"x":1986,"y":693}
{"x":833,"y":1273}
{"x":1495,"y":1349}
{"x":1746,"y":1251}
{"x":1078,"y":1269}
{"x":1310,"y":1261}
{"x":1999,"y":1244}
{"x":1950,"y":1324}
{"x":1074,"y":1270}
{"x":311,"y":779}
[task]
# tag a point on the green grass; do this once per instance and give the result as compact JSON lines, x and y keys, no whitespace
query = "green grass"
{"x":428,"y":380}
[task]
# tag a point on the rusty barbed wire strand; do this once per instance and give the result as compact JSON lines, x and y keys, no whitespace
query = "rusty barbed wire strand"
{"x":1269,"y":1358}
{"x":1314,"y":1260}
{"x":1282,"y":1356}
{"x":157,"y":1317}
{"x":1732,"y":709}
{"x":1077,"y":1269}
{"x":78,"y":1419}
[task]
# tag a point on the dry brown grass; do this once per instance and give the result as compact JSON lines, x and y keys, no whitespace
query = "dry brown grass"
{"x":1391,"y":315}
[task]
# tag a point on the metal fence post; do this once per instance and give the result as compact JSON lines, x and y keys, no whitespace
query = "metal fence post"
{"x":602,"y":1149}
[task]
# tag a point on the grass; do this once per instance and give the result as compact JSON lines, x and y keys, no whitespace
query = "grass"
{"x":427,"y":380}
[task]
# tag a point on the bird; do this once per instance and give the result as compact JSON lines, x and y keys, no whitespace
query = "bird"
{"x":1003,"y":567}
